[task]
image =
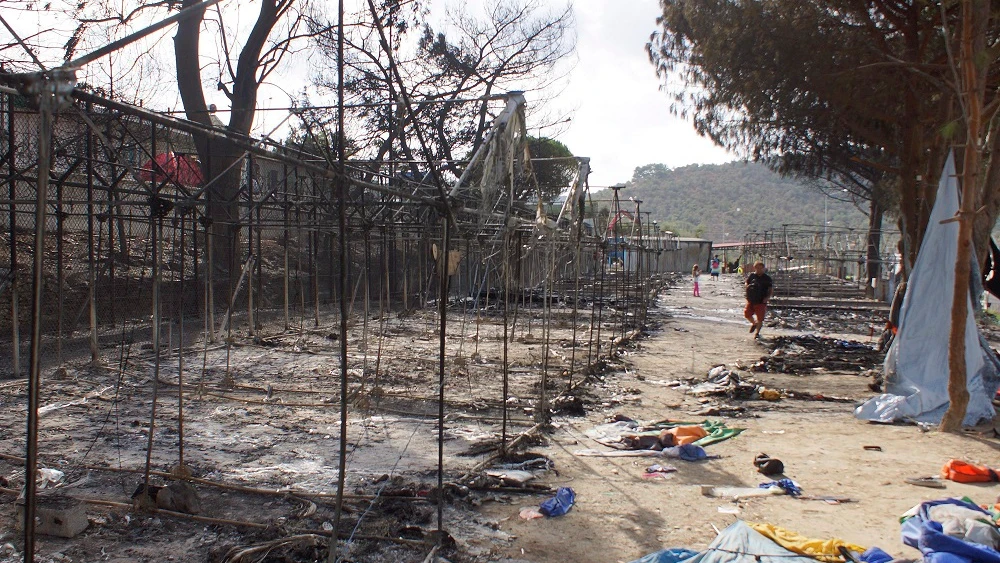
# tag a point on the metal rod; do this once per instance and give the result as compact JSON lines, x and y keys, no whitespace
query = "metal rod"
{"x":45,"y":109}
{"x":443,"y":273}
{"x":342,"y":227}
{"x":15,"y":328}
{"x":95,"y":357}
{"x":155,"y":225}
{"x":180,"y":357}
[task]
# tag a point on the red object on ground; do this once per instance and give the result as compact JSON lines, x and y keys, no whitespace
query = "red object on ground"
{"x":963,"y":472}
{"x":172,"y":167}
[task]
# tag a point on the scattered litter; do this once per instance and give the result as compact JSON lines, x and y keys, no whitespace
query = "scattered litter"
{"x":533,"y":464}
{"x":929,"y":482}
{"x":965,"y":472}
{"x":803,"y":353}
{"x":769,"y":394}
{"x":772,"y":432}
{"x":49,"y":477}
{"x":828,"y":499}
{"x":766,"y":465}
{"x":559,"y":504}
{"x":740,"y":492}
{"x":517,"y":474}
{"x":657,"y":471}
{"x":511,"y":477}
{"x":619,"y":453}
{"x":791,"y":488}
{"x":729,"y":510}
{"x":657,"y":468}
{"x":873,"y":448}
{"x":530,"y":513}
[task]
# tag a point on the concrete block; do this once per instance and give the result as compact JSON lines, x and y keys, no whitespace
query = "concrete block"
{"x":56,"y":515}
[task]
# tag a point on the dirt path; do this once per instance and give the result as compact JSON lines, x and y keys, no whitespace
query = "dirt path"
{"x":619,"y":516}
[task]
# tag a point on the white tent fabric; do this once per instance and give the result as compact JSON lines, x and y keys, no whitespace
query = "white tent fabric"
{"x":916,"y":366}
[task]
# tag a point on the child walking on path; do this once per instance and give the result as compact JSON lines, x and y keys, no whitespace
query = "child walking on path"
{"x":696,"y":274}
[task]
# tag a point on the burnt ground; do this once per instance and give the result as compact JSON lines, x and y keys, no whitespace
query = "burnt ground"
{"x":261,"y":428}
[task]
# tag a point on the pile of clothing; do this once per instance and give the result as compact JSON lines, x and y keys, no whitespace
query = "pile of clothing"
{"x":952,"y":531}
{"x":666,"y":438}
{"x":628,"y":434}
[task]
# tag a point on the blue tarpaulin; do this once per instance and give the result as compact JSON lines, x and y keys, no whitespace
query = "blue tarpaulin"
{"x":738,"y":543}
{"x":916,"y":366}
{"x":937,"y":547}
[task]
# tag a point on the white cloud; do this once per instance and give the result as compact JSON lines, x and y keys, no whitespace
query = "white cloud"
{"x":622,"y":120}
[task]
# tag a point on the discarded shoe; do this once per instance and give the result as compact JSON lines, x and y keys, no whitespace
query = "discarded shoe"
{"x":929,"y":482}
{"x":766,"y":465}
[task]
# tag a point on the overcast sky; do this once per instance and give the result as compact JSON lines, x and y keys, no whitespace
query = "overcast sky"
{"x":621,"y":119}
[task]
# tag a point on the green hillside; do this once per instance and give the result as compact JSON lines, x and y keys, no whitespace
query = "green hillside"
{"x":711,"y":200}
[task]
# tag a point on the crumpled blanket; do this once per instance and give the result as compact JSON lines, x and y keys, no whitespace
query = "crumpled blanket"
{"x":611,"y":434}
{"x":823,"y":550}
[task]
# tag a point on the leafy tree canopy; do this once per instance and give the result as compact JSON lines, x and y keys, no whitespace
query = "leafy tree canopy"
{"x":553,"y":164}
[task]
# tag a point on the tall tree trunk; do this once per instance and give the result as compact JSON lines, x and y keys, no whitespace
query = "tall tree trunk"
{"x":220,"y":163}
{"x":912,"y":213}
{"x":958,"y":393}
{"x":220,"y":156}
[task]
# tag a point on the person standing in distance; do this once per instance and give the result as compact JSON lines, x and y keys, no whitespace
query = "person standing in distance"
{"x":759,"y":288}
{"x":696,"y":276}
{"x":715,"y":268}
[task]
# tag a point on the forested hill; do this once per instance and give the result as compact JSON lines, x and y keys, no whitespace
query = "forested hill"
{"x":734,"y":198}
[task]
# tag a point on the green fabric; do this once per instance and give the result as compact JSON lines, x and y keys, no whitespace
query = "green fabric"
{"x":717,"y":430}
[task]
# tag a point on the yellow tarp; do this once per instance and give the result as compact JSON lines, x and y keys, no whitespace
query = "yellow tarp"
{"x":823,"y":550}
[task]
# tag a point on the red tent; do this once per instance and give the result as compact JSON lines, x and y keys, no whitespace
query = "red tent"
{"x":172,"y":167}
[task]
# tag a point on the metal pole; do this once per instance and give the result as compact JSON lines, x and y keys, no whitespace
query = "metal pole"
{"x":443,"y":271}
{"x":45,"y":108}
{"x":15,"y":328}
{"x":285,"y":239}
{"x":91,"y":260}
{"x":342,"y":225}
{"x":180,"y":356}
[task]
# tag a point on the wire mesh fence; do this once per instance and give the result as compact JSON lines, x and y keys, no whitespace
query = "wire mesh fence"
{"x":484,"y":312}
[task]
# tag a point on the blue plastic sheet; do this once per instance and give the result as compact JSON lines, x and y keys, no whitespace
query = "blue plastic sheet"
{"x":916,"y":366}
{"x":687,"y":452}
{"x":672,"y":555}
{"x":559,"y":504}
{"x":875,"y":555}
{"x":925,"y":534}
{"x":740,"y":543}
